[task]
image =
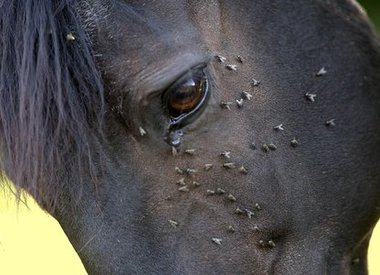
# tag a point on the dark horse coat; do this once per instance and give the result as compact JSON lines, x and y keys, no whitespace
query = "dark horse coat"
{"x":194,"y":137}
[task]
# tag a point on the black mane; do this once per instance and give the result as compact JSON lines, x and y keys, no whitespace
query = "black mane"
{"x":51,"y":94}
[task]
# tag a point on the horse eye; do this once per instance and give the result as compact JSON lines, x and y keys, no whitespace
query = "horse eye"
{"x":187,"y":95}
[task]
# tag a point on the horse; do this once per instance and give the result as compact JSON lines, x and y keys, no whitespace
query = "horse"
{"x":194,"y":137}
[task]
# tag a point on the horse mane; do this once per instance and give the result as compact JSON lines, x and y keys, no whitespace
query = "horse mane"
{"x":51,"y":95}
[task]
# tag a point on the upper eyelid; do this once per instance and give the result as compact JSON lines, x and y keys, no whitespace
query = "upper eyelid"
{"x":138,"y":87}
{"x":137,"y":98}
{"x":163,"y":76}
{"x":142,"y":94}
{"x":202,"y":65}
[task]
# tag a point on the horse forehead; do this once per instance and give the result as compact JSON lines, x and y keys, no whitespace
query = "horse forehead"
{"x":135,"y":40}
{"x":156,"y":21}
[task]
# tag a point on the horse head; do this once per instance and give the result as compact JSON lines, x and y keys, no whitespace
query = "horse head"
{"x":192,"y":137}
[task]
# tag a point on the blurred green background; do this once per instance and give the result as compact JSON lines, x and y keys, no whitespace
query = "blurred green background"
{"x":373,"y":9}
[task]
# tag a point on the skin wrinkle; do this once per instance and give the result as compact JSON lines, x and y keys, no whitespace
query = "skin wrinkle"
{"x":90,"y":240}
{"x":155,"y":78}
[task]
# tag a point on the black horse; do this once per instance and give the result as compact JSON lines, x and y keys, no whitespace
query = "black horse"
{"x":194,"y":137}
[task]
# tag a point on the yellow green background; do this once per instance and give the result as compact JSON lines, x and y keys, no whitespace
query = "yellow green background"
{"x":33,"y":243}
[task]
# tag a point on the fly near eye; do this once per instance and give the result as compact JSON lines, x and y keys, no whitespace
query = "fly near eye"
{"x":187,"y":95}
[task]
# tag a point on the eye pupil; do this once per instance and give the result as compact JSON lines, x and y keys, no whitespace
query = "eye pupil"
{"x":187,"y":94}
{"x":186,"y":97}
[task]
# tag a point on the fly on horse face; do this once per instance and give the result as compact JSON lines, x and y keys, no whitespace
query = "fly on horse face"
{"x":196,"y":137}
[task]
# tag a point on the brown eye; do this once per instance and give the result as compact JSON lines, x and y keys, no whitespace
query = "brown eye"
{"x":187,"y":95}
